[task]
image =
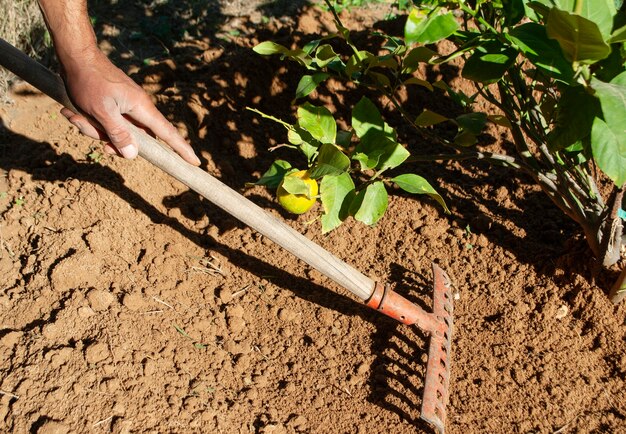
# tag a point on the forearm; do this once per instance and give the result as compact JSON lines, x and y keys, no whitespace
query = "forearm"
{"x":71,"y":31}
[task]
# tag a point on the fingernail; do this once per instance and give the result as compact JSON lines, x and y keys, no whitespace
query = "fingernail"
{"x":196,"y":160}
{"x":129,"y":151}
{"x":78,"y":125}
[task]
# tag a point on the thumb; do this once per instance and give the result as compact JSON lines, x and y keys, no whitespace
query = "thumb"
{"x":119,"y":133}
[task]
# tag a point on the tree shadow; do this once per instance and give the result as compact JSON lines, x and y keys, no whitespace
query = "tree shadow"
{"x":199,"y":65}
{"x":397,"y":373}
{"x":197,"y":58}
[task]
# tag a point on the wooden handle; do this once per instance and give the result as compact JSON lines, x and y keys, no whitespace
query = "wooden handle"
{"x":200,"y":181}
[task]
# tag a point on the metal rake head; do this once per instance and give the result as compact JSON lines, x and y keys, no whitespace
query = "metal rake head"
{"x":438,"y":324}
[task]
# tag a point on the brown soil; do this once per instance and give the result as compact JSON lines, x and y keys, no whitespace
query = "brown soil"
{"x":128,"y":304}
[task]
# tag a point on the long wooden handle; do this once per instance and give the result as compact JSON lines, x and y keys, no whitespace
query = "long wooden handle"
{"x":201,"y":182}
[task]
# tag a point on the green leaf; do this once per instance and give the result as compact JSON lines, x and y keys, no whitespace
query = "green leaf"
{"x":318,"y":121}
{"x":546,"y":54}
{"x":304,"y":140}
{"x":416,"y":56}
{"x":489,"y":62}
{"x":394,"y":155}
{"x":310,"y":46}
{"x":472,"y":122}
{"x":601,"y":12}
{"x":420,"y":82}
{"x":537,"y":10}
{"x":297,"y":136}
{"x":619,"y":35}
{"x":366,"y":118}
{"x":275,"y":174}
{"x":330,"y":161}
{"x":612,"y":66}
{"x":378,"y":150}
{"x":369,"y":205}
{"x":415,"y":184}
{"x":500,"y":120}
{"x":576,"y":110}
{"x":514,"y":11}
{"x":613,"y":101}
{"x":609,"y":151}
{"x":308,"y":83}
{"x":579,"y":38}
{"x":367,"y":161}
{"x":324,"y":55}
{"x":465,"y":138}
{"x":428,"y":118}
{"x":268,"y":47}
{"x":353,"y":65}
{"x":427,"y":29}
{"x":459,"y":98}
{"x":334,"y":189}
{"x":608,"y":138}
{"x":380,"y":79}
{"x":387,"y":61}
{"x":344,"y":138}
{"x":295,"y":185}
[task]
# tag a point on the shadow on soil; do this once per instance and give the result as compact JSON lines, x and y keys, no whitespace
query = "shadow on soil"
{"x":198,"y":60}
{"x":199,"y":63}
{"x":394,"y":372}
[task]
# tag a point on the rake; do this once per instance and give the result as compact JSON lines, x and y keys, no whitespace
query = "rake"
{"x":378,"y":296}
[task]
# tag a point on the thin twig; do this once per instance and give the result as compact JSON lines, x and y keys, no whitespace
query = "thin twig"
{"x":3,"y":392}
{"x":241,"y":291}
{"x":102,"y":421}
{"x":346,"y":391}
{"x":151,"y":312}
{"x":158,"y":300}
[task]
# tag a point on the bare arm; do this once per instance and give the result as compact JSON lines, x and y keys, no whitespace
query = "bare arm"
{"x":99,"y":88}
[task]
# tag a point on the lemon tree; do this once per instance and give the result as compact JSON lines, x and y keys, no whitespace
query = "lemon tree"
{"x":554,"y":72}
{"x":336,"y":158}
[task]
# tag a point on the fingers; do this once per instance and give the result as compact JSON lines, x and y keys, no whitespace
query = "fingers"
{"x":118,"y":132}
{"x":148,"y":116}
{"x":83,"y":124}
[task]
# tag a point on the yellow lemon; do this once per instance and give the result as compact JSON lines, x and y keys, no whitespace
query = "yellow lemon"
{"x":298,"y":203}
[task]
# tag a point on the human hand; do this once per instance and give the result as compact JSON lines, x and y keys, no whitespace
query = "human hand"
{"x":109,"y":96}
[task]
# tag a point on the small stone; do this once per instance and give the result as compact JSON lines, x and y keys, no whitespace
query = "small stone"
{"x":362,"y":368}
{"x":285,"y":314}
{"x":100,"y":300}
{"x":236,"y":311}
{"x":53,"y":427}
{"x":236,"y":324}
{"x":561,"y":312}
{"x":97,"y":353}
{"x":135,"y":301}
{"x":329,"y":352}
{"x":298,"y":422}
{"x":85,"y":312}
{"x":11,"y":339}
{"x":61,"y":357}
{"x":225,"y":295}
{"x":122,"y":426}
{"x":482,"y":241}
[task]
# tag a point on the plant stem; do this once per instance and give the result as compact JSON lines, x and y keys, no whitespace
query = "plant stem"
{"x":474,"y":15}
{"x":499,"y":159}
{"x":611,"y":231}
{"x":618,"y":291}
